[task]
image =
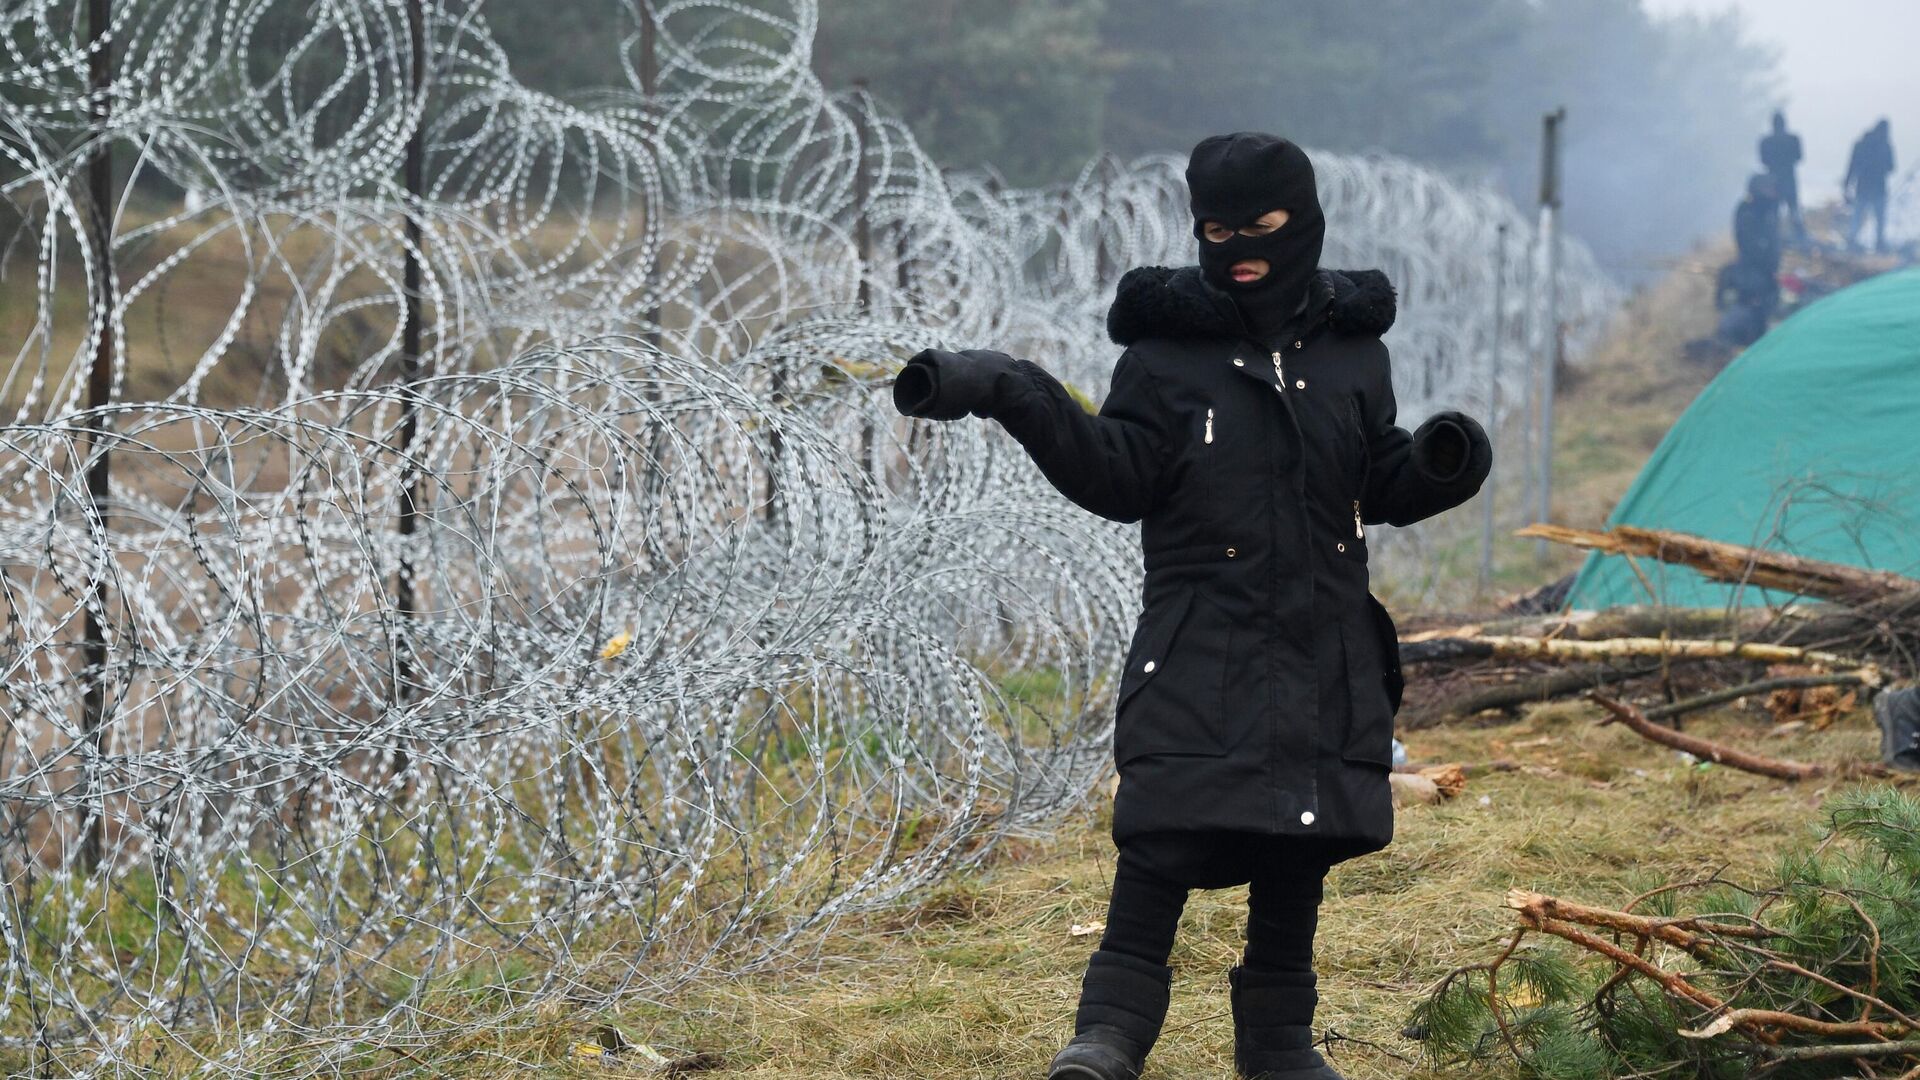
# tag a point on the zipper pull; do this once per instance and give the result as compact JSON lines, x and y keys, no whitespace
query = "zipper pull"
{"x":1279,"y":373}
{"x":1358,"y":532}
{"x":1209,"y":425}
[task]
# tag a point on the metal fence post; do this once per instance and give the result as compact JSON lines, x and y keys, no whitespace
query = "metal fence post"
{"x":411,"y":368}
{"x":1487,"y":495}
{"x":1554,"y":343}
{"x":863,"y":240}
{"x":93,"y":722}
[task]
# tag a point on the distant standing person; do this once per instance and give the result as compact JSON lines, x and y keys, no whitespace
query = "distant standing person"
{"x":1753,"y":277}
{"x":1866,"y":184}
{"x":1780,"y":154}
{"x":1756,"y":226}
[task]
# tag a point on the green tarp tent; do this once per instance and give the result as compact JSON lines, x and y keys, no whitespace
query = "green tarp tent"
{"x":1808,"y":443}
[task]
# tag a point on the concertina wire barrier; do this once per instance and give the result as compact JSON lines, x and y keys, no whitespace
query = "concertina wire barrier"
{"x":701,"y":645}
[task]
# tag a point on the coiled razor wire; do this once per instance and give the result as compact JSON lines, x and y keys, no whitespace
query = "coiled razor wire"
{"x":690,"y":644}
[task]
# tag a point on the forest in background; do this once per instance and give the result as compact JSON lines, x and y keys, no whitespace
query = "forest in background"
{"x":1663,"y":113}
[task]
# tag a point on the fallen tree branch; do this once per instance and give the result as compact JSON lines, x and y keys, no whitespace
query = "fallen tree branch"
{"x":1755,"y":1019}
{"x":1533,"y":648}
{"x":1535,"y":913}
{"x":1644,"y":621}
{"x":1539,"y":688}
{"x":1632,"y":621}
{"x":1866,"y":676}
{"x":1701,"y":748}
{"x":1673,"y":984}
{"x":1795,"y":969}
{"x":1842,"y":1051}
{"x":1678,"y":932}
{"x":1467,"y":769}
{"x":1736,"y":563}
{"x":1748,"y":998}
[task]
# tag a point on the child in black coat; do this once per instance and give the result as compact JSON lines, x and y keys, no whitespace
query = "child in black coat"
{"x":1250,"y":427}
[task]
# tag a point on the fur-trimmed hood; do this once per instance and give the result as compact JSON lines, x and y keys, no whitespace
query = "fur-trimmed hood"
{"x":1176,"y":302}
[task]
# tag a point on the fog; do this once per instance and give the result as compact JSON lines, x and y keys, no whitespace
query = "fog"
{"x":1663,"y":107}
{"x":1844,"y":64}
{"x":1666,"y":99}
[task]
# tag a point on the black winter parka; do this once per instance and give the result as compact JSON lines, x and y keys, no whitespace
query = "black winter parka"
{"x":1262,"y":677}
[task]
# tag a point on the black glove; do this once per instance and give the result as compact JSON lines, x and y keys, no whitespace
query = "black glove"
{"x":941,"y":385}
{"x":1451,"y":446}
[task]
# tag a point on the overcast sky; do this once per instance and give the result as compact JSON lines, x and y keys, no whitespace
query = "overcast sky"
{"x":1845,"y":63}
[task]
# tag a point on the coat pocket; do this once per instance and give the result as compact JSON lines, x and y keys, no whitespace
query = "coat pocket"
{"x":1388,"y":636}
{"x":1171,"y":692}
{"x":1372,"y":697}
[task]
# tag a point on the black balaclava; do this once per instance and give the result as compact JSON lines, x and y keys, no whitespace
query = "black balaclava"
{"x":1234,"y":179}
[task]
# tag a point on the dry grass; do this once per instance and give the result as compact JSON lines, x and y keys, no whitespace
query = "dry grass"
{"x":979,"y":981}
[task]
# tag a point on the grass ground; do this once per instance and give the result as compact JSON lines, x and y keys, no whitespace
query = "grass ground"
{"x":979,"y":981}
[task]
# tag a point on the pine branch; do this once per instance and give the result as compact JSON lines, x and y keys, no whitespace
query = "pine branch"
{"x":1801,"y":989}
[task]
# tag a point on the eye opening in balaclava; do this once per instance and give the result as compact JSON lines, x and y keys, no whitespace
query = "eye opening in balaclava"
{"x":1235,"y":180}
{"x":1200,"y":227}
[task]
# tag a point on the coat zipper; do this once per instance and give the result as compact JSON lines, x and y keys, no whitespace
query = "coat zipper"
{"x":1209,"y":425}
{"x":1273,"y":727}
{"x":1358,"y":532}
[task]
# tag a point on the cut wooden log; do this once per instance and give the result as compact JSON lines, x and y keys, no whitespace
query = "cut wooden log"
{"x":1648,"y":621}
{"x":1413,"y":789}
{"x":1451,"y":777}
{"x":1737,"y":563}
{"x":1641,"y":621}
{"x":1532,"y":648}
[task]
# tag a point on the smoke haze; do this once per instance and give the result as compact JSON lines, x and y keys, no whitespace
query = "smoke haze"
{"x":1845,"y":64}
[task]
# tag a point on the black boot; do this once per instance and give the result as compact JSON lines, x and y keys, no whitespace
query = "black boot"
{"x":1273,"y":1025}
{"x":1123,"y":1001}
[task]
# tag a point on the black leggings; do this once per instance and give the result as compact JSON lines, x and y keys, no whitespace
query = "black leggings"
{"x":1284,"y":875}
